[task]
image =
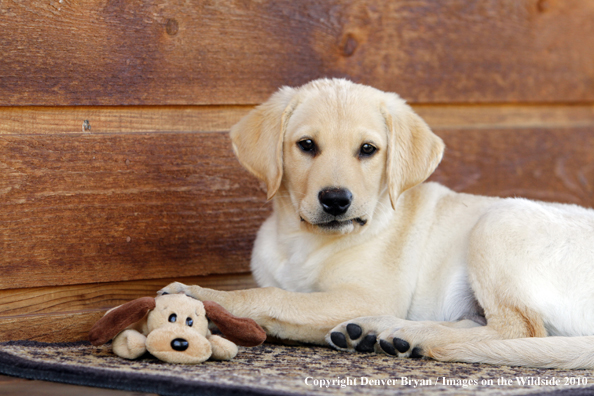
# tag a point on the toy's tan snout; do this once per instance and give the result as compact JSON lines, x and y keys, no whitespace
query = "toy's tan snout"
{"x":174,"y":344}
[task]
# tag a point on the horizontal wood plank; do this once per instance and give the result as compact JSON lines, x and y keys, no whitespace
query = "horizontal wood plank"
{"x":508,"y":116}
{"x":238,"y":52}
{"x":102,"y":296}
{"x":554,"y":165}
{"x":100,"y":208}
{"x":60,"y":327}
{"x":150,"y":119}
{"x":131,"y":119}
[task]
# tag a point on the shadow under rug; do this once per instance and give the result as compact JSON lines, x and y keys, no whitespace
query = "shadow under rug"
{"x":282,"y":370}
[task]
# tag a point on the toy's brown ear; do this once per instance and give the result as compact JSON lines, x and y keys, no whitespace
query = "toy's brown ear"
{"x":242,"y":331}
{"x":119,"y":318}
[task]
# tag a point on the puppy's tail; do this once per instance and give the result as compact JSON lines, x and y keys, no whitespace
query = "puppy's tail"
{"x":545,"y":352}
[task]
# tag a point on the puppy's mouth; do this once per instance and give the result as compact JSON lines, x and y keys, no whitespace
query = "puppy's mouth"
{"x":337,"y":224}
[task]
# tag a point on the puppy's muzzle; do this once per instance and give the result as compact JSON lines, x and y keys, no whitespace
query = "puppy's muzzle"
{"x":335,"y":201}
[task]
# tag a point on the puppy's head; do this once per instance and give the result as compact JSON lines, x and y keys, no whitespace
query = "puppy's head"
{"x":338,"y":151}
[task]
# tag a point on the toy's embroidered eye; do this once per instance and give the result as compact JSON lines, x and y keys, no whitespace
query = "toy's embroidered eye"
{"x":172,"y":318}
{"x":189,"y":322}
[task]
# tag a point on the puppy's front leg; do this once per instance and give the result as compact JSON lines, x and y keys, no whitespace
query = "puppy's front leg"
{"x":305,"y":317}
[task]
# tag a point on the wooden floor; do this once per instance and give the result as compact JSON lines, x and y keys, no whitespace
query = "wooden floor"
{"x":12,"y":386}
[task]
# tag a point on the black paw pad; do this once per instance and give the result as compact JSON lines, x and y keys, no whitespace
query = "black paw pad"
{"x":401,"y":345}
{"x":387,"y":347}
{"x":416,"y":353}
{"x":366,"y":344}
{"x":338,"y":339}
{"x":354,"y":331}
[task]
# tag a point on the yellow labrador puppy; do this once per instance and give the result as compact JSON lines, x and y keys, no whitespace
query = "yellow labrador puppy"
{"x":359,"y":253}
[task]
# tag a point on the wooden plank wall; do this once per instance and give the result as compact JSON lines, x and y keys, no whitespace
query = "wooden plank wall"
{"x":116,"y":174}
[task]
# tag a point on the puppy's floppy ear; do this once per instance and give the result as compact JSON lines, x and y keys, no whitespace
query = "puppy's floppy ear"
{"x":413,"y":150}
{"x":242,"y":331}
{"x":119,"y":318}
{"x":258,"y":138}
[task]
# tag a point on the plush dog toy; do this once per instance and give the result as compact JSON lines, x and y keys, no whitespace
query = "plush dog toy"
{"x":174,"y":328}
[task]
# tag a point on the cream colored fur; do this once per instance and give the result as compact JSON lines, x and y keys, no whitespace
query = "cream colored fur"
{"x":408,"y":261}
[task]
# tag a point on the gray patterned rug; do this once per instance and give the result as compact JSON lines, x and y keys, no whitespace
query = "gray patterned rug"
{"x":282,"y":370}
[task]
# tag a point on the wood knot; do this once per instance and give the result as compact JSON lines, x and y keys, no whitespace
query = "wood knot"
{"x":542,"y":5}
{"x":172,"y":27}
{"x":350,"y":45}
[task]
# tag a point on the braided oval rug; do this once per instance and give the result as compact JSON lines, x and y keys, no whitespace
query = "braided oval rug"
{"x":282,"y":370}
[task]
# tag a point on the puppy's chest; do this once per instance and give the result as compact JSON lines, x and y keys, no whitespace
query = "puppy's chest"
{"x":300,"y":269}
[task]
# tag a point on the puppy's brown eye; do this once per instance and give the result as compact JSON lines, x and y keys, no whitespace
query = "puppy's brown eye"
{"x":367,"y":150}
{"x":307,"y":145}
{"x":172,"y":318}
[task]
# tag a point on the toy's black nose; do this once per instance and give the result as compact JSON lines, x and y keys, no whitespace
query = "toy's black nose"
{"x":335,"y":201}
{"x":179,"y":344}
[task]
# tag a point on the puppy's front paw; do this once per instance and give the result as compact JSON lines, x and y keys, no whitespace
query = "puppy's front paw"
{"x":415,"y":340}
{"x":359,"y":335}
{"x":174,"y":288}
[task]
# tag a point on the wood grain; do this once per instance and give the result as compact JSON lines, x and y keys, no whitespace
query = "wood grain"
{"x":102,"y":296}
{"x":238,"y":52}
{"x":5,"y":380}
{"x":12,"y":386}
{"x":131,"y":119}
{"x":508,"y":116}
{"x":58,"y":327}
{"x":150,"y":119}
{"x":554,"y":165}
{"x":99,"y":208}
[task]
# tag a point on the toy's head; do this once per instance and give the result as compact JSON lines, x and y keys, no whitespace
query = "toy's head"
{"x":177,"y":327}
{"x":174,"y":328}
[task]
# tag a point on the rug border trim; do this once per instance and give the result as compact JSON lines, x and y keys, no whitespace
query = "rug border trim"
{"x":18,"y":366}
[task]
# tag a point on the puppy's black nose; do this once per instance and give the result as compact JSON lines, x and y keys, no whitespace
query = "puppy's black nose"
{"x":179,"y":344}
{"x":335,"y":201}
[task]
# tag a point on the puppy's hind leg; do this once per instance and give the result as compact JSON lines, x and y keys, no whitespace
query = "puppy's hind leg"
{"x":505,"y":257}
